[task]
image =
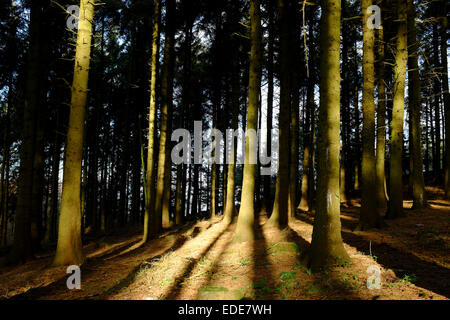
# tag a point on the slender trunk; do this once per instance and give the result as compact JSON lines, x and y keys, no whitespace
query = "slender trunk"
{"x":437,"y":106}
{"x":414,"y":94}
{"x":163,"y":176}
{"x":245,"y":224}
{"x":357,"y":151}
{"x":4,"y":186}
{"x":279,"y":216}
{"x":69,"y":248}
{"x":22,"y":249}
{"x":381,"y":126}
{"x":229,"y":210}
{"x":151,"y":225}
{"x":307,"y":183}
{"x":294,"y":114}
{"x":396,"y":144}
{"x":446,"y":94}
{"x":267,"y":203}
{"x":369,"y":215}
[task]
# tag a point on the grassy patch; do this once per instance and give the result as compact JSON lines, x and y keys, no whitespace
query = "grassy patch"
{"x":411,"y":278}
{"x":287,"y":247}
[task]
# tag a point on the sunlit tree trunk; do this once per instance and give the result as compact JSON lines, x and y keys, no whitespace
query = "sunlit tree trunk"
{"x":230,"y":209}
{"x":245,"y":224}
{"x":69,"y":248}
{"x":395,"y":208}
{"x":326,"y":245}
{"x":369,"y":214}
{"x":151,"y":223}
{"x":164,"y":168}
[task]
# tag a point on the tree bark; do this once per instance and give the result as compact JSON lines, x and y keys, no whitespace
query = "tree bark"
{"x":414,"y":94}
{"x":369,"y":214}
{"x":279,"y":216}
{"x":245,"y":224}
{"x":69,"y":248}
{"x":326,"y":246}
{"x":151,"y":223}
{"x":395,"y":208}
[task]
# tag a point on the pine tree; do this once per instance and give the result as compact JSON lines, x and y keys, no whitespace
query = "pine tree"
{"x":369,"y":215}
{"x":152,"y":224}
{"x":395,"y":208}
{"x":245,"y":224}
{"x":279,"y":216}
{"x":326,"y":246}
{"x":414,"y":94}
{"x":69,"y":248}
{"x":381,"y":125}
{"x":163,"y":175}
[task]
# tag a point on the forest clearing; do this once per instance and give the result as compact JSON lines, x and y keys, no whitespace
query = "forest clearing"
{"x":224,"y":150}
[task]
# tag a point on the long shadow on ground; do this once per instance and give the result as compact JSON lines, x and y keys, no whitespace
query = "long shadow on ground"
{"x":89,"y":268}
{"x":429,"y":275}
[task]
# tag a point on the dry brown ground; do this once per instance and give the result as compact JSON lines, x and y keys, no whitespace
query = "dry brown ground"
{"x":199,"y":261}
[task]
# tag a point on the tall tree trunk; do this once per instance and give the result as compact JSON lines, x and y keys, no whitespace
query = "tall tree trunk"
{"x":381,"y":126}
{"x":345,"y":105}
{"x":369,"y":214}
{"x":436,"y":100}
{"x":151,"y":225}
{"x":22,"y":249}
{"x":294,"y":19}
{"x":163,"y":177}
{"x":4,"y":186}
{"x":245,"y":224}
{"x":326,"y":246}
{"x":446,"y":94}
{"x":279,"y":216}
{"x":230,"y":209}
{"x":69,"y":248}
{"x":307,"y":182}
{"x":396,"y":144}
{"x":414,"y":94}
{"x":267,"y":202}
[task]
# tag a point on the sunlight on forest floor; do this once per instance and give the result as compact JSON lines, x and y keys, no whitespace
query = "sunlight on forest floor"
{"x":199,"y":261}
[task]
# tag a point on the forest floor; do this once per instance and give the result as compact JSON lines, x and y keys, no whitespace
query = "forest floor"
{"x":199,"y":261}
